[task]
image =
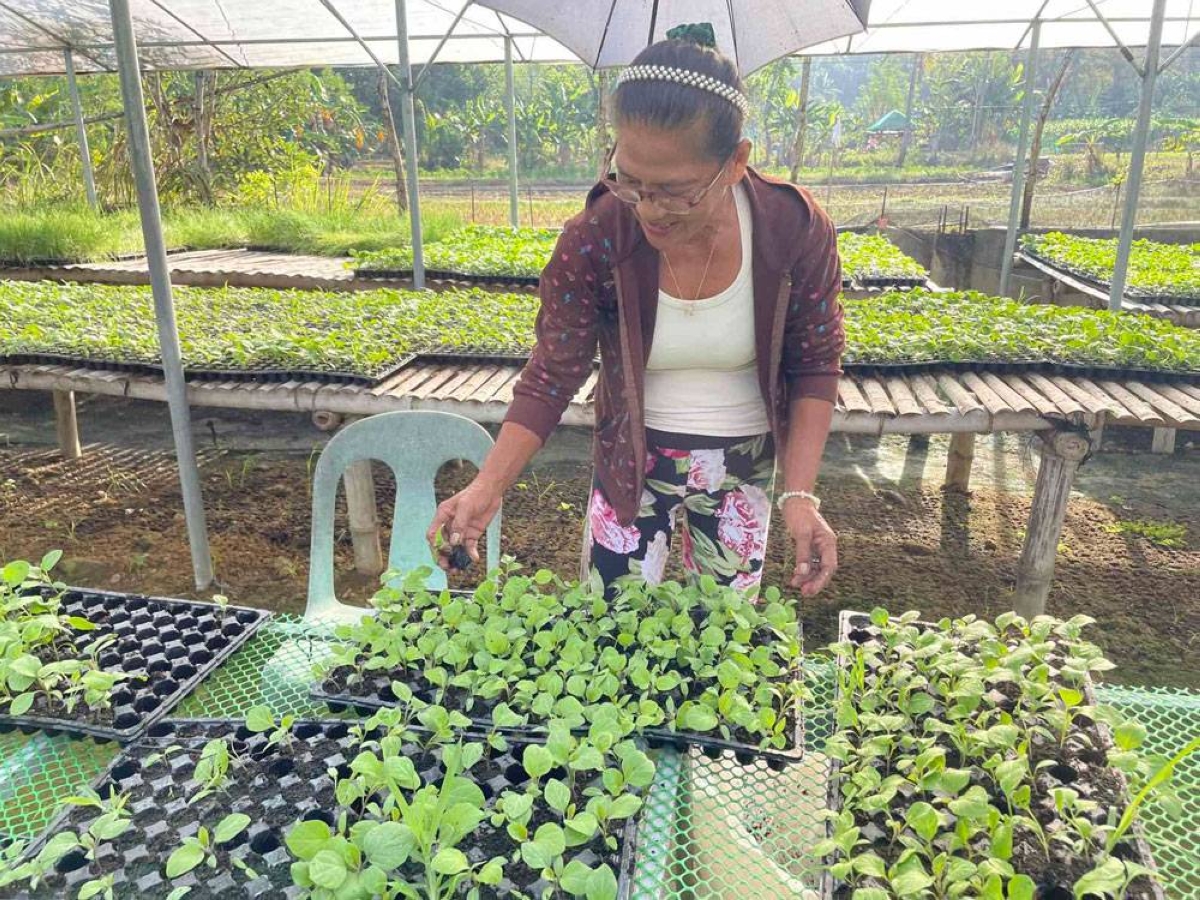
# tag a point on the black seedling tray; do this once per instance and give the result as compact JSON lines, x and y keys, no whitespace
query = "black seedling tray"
{"x":856,"y":628}
{"x":1134,"y":294}
{"x":275,"y":787}
{"x":376,"y":693}
{"x":471,"y":355}
{"x":1020,"y":367}
{"x":264,"y":374}
{"x":746,"y":754}
{"x":890,"y":281}
{"x":166,"y":646}
{"x":443,"y":275}
{"x":380,"y":696}
{"x":43,"y":262}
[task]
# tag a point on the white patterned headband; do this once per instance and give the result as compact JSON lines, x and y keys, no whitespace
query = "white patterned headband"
{"x":686,"y":77}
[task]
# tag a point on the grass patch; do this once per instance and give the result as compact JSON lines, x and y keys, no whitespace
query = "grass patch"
{"x":1168,"y":535}
{"x":333,"y":233}
{"x":81,"y":235}
{"x":51,"y":235}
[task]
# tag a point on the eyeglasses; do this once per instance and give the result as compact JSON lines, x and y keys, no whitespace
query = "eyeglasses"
{"x":673,"y":204}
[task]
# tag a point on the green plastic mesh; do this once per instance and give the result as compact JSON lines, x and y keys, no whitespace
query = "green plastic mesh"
{"x":38,"y":771}
{"x":273,"y":668}
{"x":712,"y":828}
{"x":1172,"y":718}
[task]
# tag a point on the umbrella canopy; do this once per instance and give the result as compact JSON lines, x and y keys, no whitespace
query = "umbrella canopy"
{"x":892,"y":121}
{"x":612,"y":32}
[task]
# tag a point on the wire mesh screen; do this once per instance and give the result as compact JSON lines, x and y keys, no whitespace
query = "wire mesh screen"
{"x":712,"y":828}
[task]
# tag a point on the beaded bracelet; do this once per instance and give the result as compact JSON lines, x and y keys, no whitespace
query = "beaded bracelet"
{"x":804,"y":495}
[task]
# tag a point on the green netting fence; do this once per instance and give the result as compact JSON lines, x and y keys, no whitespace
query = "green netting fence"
{"x":712,"y":828}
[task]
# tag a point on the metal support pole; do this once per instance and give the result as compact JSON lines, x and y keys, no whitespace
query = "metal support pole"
{"x":1137,"y":158}
{"x":1018,"y":178}
{"x":409,"y":127}
{"x":85,"y":154}
{"x":510,"y":108}
{"x":906,"y":137}
{"x":160,"y":285}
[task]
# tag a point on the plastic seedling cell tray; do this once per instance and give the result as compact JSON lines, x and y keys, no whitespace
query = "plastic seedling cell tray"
{"x":166,"y":647}
{"x":444,"y":275}
{"x":1131,"y":293}
{"x":891,"y":281}
{"x":372,"y":690}
{"x":264,"y":373}
{"x":276,"y":786}
{"x":1018,"y":367}
{"x":856,"y":628}
{"x":376,"y":693}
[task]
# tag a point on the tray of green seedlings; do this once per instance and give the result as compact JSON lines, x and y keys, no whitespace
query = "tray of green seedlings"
{"x":101,"y":663}
{"x":915,"y":330}
{"x":1158,"y":272}
{"x":699,"y":665}
{"x":872,"y":261}
{"x":275,"y":807}
{"x":479,"y":254}
{"x":257,"y":333}
{"x":972,"y":759}
{"x":260,"y":334}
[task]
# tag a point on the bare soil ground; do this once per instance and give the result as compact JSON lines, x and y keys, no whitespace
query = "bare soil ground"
{"x":118,"y":515}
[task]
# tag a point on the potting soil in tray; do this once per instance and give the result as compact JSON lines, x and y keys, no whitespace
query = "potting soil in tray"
{"x":346,"y":688}
{"x":1080,"y":764}
{"x":166,"y":647}
{"x":276,"y":787}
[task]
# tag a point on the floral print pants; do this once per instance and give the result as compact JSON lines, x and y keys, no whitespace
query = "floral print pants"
{"x":718,"y":497}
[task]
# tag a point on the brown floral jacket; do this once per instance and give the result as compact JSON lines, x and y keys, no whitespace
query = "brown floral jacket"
{"x":601,"y":289}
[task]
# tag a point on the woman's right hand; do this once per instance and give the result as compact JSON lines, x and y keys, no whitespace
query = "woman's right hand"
{"x":463,"y":519}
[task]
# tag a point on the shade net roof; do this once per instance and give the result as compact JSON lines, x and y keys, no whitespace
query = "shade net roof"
{"x":215,"y":34}
{"x":895,"y":26}
{"x":219,"y":34}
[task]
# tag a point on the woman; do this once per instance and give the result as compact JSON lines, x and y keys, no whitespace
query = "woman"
{"x":711,"y":292}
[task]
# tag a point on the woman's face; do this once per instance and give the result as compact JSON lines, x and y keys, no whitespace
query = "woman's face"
{"x":674,"y":162}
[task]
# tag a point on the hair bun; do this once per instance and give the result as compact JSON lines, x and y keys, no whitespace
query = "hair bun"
{"x":700,"y":33}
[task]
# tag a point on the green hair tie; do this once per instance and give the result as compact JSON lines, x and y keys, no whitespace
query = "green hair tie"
{"x":700,"y":33}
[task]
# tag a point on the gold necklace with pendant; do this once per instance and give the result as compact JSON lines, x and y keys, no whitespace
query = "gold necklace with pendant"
{"x":690,"y":309}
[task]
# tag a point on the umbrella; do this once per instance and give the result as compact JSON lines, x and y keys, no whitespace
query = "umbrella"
{"x":751,"y":32}
{"x":892,"y":123}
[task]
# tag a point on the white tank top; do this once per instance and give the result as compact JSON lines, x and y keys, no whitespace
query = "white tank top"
{"x":702,"y":377}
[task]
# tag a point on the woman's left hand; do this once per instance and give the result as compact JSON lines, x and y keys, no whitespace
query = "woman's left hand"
{"x":816,"y":546}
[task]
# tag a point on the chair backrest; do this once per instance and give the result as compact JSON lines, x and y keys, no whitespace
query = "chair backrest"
{"x":414,"y":445}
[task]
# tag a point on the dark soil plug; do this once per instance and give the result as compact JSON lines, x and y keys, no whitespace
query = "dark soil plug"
{"x":460,"y":560}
